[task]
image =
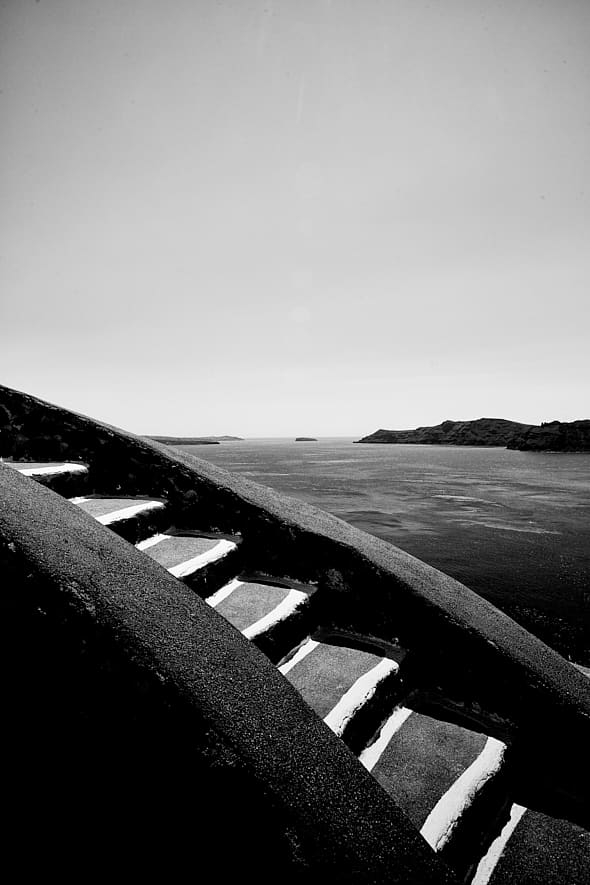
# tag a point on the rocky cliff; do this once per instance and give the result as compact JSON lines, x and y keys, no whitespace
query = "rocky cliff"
{"x":481,"y":432}
{"x":554,"y":436}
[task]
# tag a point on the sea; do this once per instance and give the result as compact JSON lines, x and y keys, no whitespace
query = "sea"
{"x":513,"y":526}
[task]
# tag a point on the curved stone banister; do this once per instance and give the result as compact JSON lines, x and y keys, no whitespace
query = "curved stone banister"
{"x":93,"y":613}
{"x":466,"y":660}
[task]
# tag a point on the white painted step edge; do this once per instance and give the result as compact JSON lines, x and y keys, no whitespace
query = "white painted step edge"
{"x":151,"y":542}
{"x":216,"y":598}
{"x":52,"y":469}
{"x":221,"y":549}
{"x":489,"y":861}
{"x":291,"y":602}
{"x":358,"y":695}
{"x":189,"y":566}
{"x":123,"y":513}
{"x":371,"y":754}
{"x":302,"y":652}
{"x":447,"y":812}
{"x":128,"y":512}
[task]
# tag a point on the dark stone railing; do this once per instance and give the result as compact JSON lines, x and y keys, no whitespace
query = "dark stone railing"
{"x":147,"y":733}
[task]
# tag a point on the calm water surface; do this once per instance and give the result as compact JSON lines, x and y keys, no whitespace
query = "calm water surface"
{"x":514,"y":526}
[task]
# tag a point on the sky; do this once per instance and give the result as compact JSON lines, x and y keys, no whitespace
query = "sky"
{"x":296,"y":217}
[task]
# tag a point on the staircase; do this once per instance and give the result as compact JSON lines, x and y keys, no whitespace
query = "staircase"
{"x":453,"y":764}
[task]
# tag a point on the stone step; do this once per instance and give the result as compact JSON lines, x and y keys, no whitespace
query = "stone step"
{"x":535,"y":848}
{"x":204,"y":563}
{"x":275,"y":617}
{"x":67,"y":478}
{"x":351,"y":690}
{"x":449,"y":781}
{"x":132,"y":518}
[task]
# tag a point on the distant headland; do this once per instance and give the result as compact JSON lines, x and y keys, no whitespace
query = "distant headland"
{"x":193,"y":440}
{"x":553,"y":436}
{"x":305,"y":439}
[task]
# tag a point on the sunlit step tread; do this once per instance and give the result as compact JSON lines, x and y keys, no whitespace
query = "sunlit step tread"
{"x":254,"y":607}
{"x":446,"y":815}
{"x":182,"y":555}
{"x":421,"y":762}
{"x":110,"y":510}
{"x":325,"y":675}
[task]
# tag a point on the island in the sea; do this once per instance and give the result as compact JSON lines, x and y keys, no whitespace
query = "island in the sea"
{"x":553,"y":436}
{"x":305,"y":439}
{"x":193,"y":440}
{"x":184,"y":440}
